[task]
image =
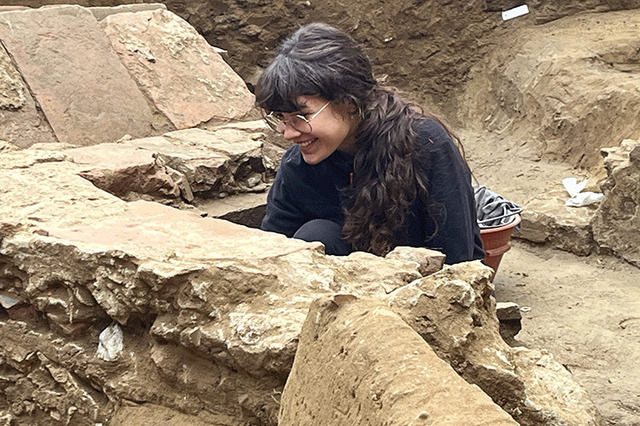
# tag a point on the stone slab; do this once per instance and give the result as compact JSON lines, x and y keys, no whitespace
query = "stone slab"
{"x":101,"y":12}
{"x":207,"y":164}
{"x":230,"y":142}
{"x":177,"y":69}
{"x":547,"y":220}
{"x":245,"y":209}
{"x":84,"y":91}
{"x":359,"y":363}
{"x":20,"y":121}
{"x":126,"y":170}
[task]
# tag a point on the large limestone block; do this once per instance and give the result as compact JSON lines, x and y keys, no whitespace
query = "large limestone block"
{"x":126,"y":171}
{"x":188,"y":163}
{"x":178,"y":70}
{"x":84,"y":91}
{"x":20,"y":122}
{"x":616,"y":225}
{"x":454,"y":312}
{"x":359,"y":363}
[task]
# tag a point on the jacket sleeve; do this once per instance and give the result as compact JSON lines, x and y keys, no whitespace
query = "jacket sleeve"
{"x":283,"y":215}
{"x":451,"y":204}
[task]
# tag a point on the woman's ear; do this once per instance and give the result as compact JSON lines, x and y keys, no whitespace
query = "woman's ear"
{"x":351,"y":108}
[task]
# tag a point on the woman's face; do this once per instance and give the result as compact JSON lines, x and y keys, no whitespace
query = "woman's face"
{"x":332,"y":129}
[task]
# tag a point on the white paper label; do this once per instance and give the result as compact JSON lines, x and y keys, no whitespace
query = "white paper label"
{"x":515,"y":12}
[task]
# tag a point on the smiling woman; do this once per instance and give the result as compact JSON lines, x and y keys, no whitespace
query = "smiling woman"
{"x":367,"y":170}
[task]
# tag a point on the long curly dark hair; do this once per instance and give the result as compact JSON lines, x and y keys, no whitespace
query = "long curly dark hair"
{"x":320,"y":60}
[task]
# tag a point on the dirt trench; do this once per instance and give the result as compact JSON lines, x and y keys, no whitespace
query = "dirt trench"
{"x":583,"y":309}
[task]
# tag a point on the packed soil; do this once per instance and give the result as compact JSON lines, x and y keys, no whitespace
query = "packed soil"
{"x":586,"y":312}
{"x":584,"y":309}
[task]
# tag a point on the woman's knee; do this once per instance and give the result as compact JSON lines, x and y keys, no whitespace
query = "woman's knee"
{"x":327,"y":232}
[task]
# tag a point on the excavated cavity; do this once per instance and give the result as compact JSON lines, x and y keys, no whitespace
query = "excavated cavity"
{"x":181,"y":344}
{"x":624,"y":58}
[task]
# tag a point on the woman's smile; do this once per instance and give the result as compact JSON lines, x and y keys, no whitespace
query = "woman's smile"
{"x":306,"y":143}
{"x":331,"y":130}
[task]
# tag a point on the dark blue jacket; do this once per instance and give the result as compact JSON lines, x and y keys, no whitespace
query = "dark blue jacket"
{"x":302,"y":192}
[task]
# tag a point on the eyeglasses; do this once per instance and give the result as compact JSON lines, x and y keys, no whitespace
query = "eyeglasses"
{"x":278,"y":122}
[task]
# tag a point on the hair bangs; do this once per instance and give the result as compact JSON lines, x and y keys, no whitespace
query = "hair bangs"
{"x":283,"y":82}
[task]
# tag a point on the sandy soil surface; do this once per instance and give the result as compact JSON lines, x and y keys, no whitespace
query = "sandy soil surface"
{"x":584,"y":310}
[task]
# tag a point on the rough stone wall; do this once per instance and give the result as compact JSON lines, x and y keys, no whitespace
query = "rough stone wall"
{"x":210,"y":312}
{"x":616,"y":225}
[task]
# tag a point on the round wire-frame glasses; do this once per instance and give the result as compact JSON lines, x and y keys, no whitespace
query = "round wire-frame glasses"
{"x":277,"y":121}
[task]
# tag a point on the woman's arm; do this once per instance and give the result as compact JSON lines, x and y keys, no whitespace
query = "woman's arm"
{"x":283,"y":213}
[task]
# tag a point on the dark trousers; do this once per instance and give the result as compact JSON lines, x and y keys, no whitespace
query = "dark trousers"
{"x":328,"y":233}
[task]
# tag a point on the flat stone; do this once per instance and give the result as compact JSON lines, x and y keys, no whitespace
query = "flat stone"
{"x":546,"y":219}
{"x":508,"y":311}
{"x":177,"y":69}
{"x":20,"y":122}
{"x":23,"y":159}
{"x":430,"y":261}
{"x":86,"y":94}
{"x":102,"y":12}
{"x":124,"y":169}
{"x":231,"y":142}
{"x":183,"y":163}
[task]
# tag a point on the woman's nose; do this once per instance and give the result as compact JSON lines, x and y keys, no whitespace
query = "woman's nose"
{"x":290,"y":132}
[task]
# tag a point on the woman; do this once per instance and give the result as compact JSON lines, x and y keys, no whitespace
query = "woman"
{"x":367,"y":170}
